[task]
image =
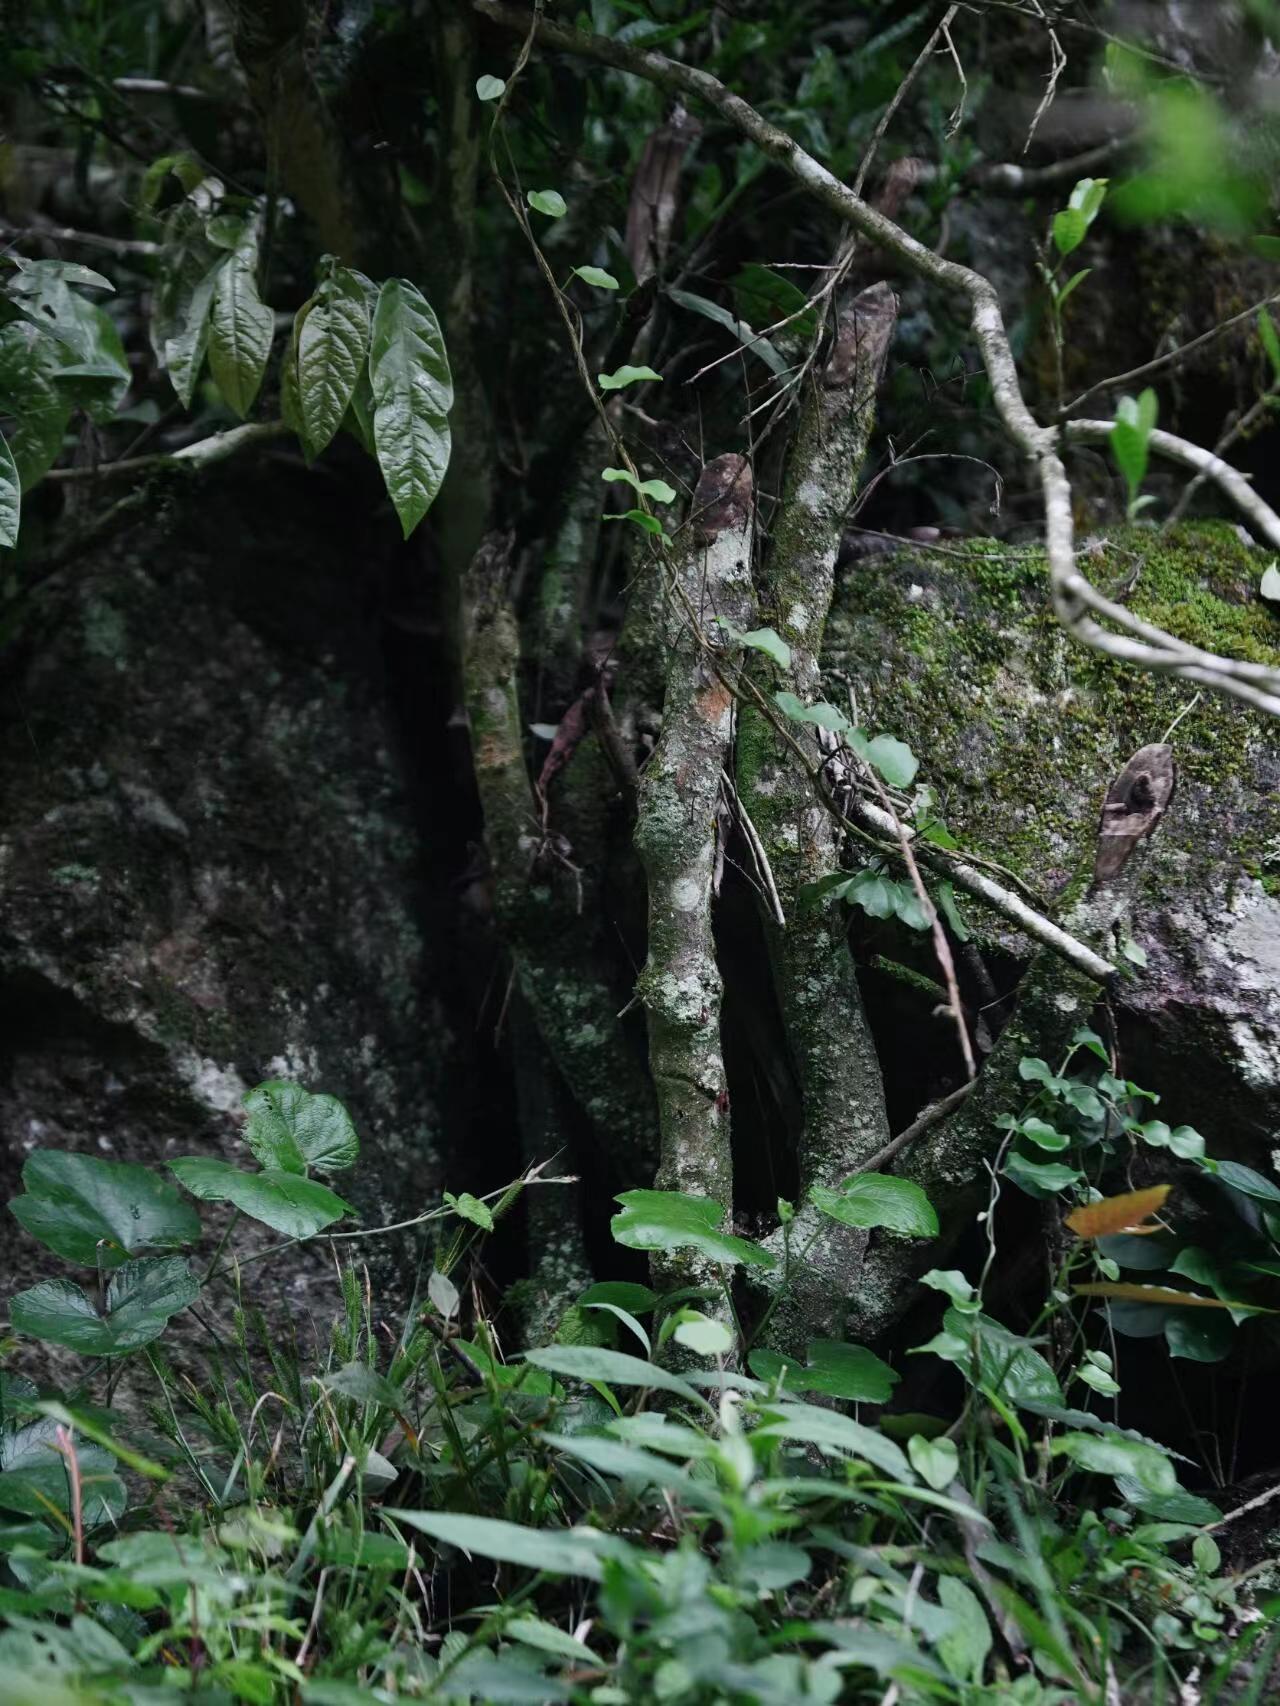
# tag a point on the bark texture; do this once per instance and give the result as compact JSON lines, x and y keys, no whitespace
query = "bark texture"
{"x":676,"y":838}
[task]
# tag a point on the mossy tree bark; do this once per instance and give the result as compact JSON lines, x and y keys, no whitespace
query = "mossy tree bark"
{"x":676,"y":838}
{"x":844,"y":1120}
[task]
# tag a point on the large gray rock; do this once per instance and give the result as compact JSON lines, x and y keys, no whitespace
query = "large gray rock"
{"x":208,"y":860}
{"x":1020,"y":730}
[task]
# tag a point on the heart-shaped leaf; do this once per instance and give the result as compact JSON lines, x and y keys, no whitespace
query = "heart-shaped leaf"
{"x":879,"y":1199}
{"x":294,"y":1129}
{"x":294,"y":1205}
{"x":936,"y":1461}
{"x":100,"y":1213}
{"x":140,"y":1299}
{"x":672,"y":1220}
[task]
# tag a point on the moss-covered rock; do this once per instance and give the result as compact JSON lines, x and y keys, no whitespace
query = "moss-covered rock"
{"x":1020,"y":729}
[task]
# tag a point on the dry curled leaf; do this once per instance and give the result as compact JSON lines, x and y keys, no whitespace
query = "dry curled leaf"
{"x":1118,"y":1214}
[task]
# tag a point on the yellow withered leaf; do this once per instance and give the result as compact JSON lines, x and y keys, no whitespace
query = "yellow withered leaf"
{"x":1117,"y":1214}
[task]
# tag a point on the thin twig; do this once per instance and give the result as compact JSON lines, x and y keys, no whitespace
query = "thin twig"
{"x":752,"y":835}
{"x":929,"y":1116}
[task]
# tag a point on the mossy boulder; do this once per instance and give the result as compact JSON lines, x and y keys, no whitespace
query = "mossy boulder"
{"x":1020,"y":729}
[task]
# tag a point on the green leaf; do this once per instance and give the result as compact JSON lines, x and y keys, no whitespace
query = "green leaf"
{"x":554,"y":1551}
{"x":822,"y":715}
{"x":703,"y":1334}
{"x":658,"y":490}
{"x":331,"y":335}
{"x":1043,"y":1134}
{"x":1199,"y":1335}
{"x":1130,"y":437}
{"x":625,"y":375}
{"x":1246,"y":1180}
{"x":10,"y":496}
{"x":746,"y":335}
{"x":965,"y":1646}
{"x":100,"y":1213}
{"x":993,"y":1357}
{"x":1069,"y":228}
{"x":827,"y":1429}
{"x":1107,"y":1455}
{"x":294,"y":1129}
{"x":615,"y":1368}
{"x":1269,"y":586}
{"x":293,"y":1205}
{"x":550,"y":202}
{"x":470,"y":1208}
{"x":357,"y":1380}
{"x":764,"y":297}
{"x":412,"y":396}
{"x":879,"y":1199}
{"x":951,"y":1282}
{"x":489,"y":88}
{"x":1073,"y":283}
{"x":837,"y":1369}
{"x":649,"y":523}
{"x":598,"y":276}
{"x":613,"y":1457}
{"x":672,"y":1220}
{"x":621,"y":1294}
{"x":768,"y":641}
{"x":936,"y":1461}
{"x":949,"y":907}
{"x":40,"y":409}
{"x":546,"y":1638}
{"x":1040,"y":1177}
{"x":33,"y":1476}
{"x":240,"y":328}
{"x":140,"y":1299}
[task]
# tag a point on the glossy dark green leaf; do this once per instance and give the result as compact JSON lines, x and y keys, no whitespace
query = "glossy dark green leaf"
{"x":673,"y":1220}
{"x":296,"y":1129}
{"x":879,"y":1199}
{"x":840,"y":1370}
{"x":140,"y":1299}
{"x":331,"y":336}
{"x":10,"y":496}
{"x":412,"y":396}
{"x":39,"y":409}
{"x":98,"y":1212}
{"x":293,"y":1205}
{"x":240,"y":327}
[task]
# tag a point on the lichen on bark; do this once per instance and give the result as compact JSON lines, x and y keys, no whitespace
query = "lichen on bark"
{"x":676,"y":839}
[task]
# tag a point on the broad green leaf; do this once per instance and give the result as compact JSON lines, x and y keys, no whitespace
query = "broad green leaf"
{"x":893,"y":758}
{"x":625,"y":375}
{"x":1073,"y":283}
{"x":1042,"y":1134}
{"x":745,"y":334}
{"x":357,"y":1380}
{"x":1069,"y":228}
{"x":1245,"y":1180}
{"x":824,"y":716}
{"x":293,"y":1205}
{"x":879,"y":1199}
{"x":412,"y":396}
{"x":658,"y":490}
{"x":33,"y":1475}
{"x":185,"y":167}
{"x":991,"y":1356}
{"x":331,"y":336}
{"x":703,"y":1334}
{"x":624,"y":1315}
{"x":1107,"y":1455}
{"x":615,"y":1368}
{"x":768,"y":641}
{"x":555,"y":1551}
{"x":100,"y":1213}
{"x":672,"y":1220}
{"x":489,"y":88}
{"x":240,"y":328}
{"x":936,"y":1461}
{"x":964,"y":1648}
{"x":613,"y":1457}
{"x":840,"y":1370}
{"x":828,"y":1429}
{"x":951,"y":1282}
{"x":294,"y":1129}
{"x":1270,"y":340}
{"x":470,"y":1208}
{"x":765,"y":297}
{"x":949,"y":907}
{"x":183,"y":293}
{"x":10,"y":496}
{"x":649,"y":523}
{"x":140,"y":1299}
{"x":1131,"y":435}
{"x":550,"y":202}
{"x":1199,"y":1336}
{"x":1038,"y":1178}
{"x":546,"y":1638}
{"x":98,"y":380}
{"x":598,"y":276}
{"x":621,"y":1294}
{"x":39,"y":408}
